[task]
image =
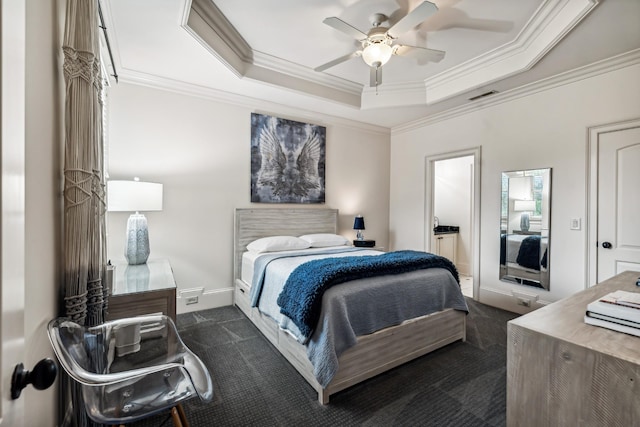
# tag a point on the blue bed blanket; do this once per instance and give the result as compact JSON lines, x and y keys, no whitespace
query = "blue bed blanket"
{"x":301,"y":296}
{"x":529,"y":253}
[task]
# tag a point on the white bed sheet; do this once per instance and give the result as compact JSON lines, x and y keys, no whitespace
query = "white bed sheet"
{"x":249,"y":259}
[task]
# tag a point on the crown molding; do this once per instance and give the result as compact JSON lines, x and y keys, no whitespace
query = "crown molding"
{"x":614,"y":63}
{"x":206,"y":23}
{"x":621,"y":61}
{"x":292,"y":69}
{"x":243,"y":101}
{"x":551,"y":22}
{"x":393,"y":95}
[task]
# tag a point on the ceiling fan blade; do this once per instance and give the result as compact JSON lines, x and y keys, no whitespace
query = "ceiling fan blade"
{"x":375,"y":76}
{"x":413,"y":18}
{"x":338,"y":61}
{"x":340,"y":25}
{"x":432,"y":55}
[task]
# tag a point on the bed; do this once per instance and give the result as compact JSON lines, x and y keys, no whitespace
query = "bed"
{"x":373,"y":353}
{"x":524,"y":257}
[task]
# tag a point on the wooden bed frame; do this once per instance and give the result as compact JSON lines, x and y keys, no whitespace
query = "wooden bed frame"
{"x":374,"y":353}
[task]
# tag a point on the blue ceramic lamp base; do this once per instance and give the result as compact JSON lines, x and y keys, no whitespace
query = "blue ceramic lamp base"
{"x":136,"y":250}
{"x":524,"y":221}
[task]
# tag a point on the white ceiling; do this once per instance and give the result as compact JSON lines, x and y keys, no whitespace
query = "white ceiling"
{"x":267,"y":50}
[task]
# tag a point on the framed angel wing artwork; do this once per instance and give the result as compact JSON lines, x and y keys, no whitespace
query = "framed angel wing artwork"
{"x":287,"y":161}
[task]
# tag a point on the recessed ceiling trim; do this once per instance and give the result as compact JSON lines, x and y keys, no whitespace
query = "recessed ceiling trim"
{"x":205,"y":22}
{"x":552,"y":21}
{"x":393,"y":95}
{"x":211,"y":29}
{"x":225,"y":30}
{"x":295,"y":70}
{"x":284,"y":81}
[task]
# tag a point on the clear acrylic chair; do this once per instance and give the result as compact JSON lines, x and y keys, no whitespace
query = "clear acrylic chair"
{"x":131,"y":368}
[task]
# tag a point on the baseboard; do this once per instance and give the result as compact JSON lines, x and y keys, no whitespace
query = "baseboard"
{"x":206,"y":299}
{"x":504,"y":300}
{"x":508,"y":300}
{"x":464,"y":269}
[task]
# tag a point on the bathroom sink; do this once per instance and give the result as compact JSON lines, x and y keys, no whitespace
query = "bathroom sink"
{"x":444,"y":229}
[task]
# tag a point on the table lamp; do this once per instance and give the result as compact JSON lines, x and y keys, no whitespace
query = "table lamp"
{"x":135,"y":196}
{"x":524,"y":206}
{"x":358,"y":224}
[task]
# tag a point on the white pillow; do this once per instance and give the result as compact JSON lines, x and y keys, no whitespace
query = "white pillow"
{"x":322,"y":240}
{"x":277,"y":243}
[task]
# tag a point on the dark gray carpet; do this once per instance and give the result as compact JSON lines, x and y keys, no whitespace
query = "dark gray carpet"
{"x":463,"y":384}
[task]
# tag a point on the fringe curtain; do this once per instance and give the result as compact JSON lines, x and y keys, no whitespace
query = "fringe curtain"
{"x":84,"y":184}
{"x":85,"y":296}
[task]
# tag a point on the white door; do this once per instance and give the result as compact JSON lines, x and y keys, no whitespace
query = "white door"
{"x":12,"y":214}
{"x":618,"y":235}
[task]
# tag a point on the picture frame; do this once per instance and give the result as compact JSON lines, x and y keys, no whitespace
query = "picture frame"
{"x":287,"y":161}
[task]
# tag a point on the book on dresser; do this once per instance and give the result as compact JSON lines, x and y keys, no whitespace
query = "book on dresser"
{"x":619,"y":310}
{"x":613,"y":325}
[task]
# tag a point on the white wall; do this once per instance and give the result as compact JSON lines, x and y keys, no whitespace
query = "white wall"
{"x":544,"y":129}
{"x":452,"y":203}
{"x":200,"y":150}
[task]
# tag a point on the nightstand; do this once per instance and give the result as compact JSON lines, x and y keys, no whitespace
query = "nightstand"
{"x":142,"y":289}
{"x":364,"y":243}
{"x":528,"y":233}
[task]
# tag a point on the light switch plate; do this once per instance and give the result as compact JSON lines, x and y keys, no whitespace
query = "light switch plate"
{"x":576,"y":223}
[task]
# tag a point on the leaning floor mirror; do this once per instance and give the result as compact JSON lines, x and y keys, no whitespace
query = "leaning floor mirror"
{"x":524,"y":227}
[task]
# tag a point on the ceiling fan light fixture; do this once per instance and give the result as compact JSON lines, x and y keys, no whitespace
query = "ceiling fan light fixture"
{"x":377,"y":53}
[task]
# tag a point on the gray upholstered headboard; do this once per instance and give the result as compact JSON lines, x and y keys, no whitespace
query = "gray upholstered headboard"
{"x":252,"y":224}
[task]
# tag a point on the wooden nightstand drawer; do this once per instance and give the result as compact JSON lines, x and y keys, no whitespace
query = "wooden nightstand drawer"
{"x":241,"y":297}
{"x":142,"y":303}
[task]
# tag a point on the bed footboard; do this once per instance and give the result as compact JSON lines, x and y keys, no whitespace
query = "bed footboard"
{"x":373,"y":354}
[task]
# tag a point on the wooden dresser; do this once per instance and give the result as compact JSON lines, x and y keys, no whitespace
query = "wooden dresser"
{"x":143,"y":289}
{"x":564,"y":372}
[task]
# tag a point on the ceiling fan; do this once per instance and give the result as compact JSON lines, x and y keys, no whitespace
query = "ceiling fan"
{"x":377,"y":44}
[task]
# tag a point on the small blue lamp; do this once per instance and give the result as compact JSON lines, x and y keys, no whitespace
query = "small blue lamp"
{"x":358,"y":224}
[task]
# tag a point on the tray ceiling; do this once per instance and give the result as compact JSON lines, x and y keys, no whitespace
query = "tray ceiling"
{"x":268,"y":49}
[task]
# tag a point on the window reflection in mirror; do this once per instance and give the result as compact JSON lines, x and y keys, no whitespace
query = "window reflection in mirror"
{"x":524,"y":227}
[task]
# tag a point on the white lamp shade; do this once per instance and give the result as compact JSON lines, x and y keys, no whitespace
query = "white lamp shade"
{"x":133,"y":196}
{"x":524,"y":205}
{"x":377,"y":53}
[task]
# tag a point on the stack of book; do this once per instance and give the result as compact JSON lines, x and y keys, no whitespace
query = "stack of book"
{"x":619,"y":310}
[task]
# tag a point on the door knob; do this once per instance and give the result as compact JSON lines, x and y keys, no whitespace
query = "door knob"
{"x":42,"y":376}
{"x":606,"y":245}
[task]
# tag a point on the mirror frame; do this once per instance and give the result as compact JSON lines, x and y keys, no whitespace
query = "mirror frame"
{"x":525,"y":224}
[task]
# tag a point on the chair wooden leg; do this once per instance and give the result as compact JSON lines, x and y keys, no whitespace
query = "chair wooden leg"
{"x":183,"y":416}
{"x":175,"y":416}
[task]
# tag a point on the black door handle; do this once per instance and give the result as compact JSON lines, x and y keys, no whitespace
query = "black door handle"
{"x":42,"y":376}
{"x":606,"y":245}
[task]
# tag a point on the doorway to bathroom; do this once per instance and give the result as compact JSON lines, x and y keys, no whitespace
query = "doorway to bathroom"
{"x":452,"y":217}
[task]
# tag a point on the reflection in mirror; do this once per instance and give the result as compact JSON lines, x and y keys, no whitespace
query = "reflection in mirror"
{"x":524,"y":227}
